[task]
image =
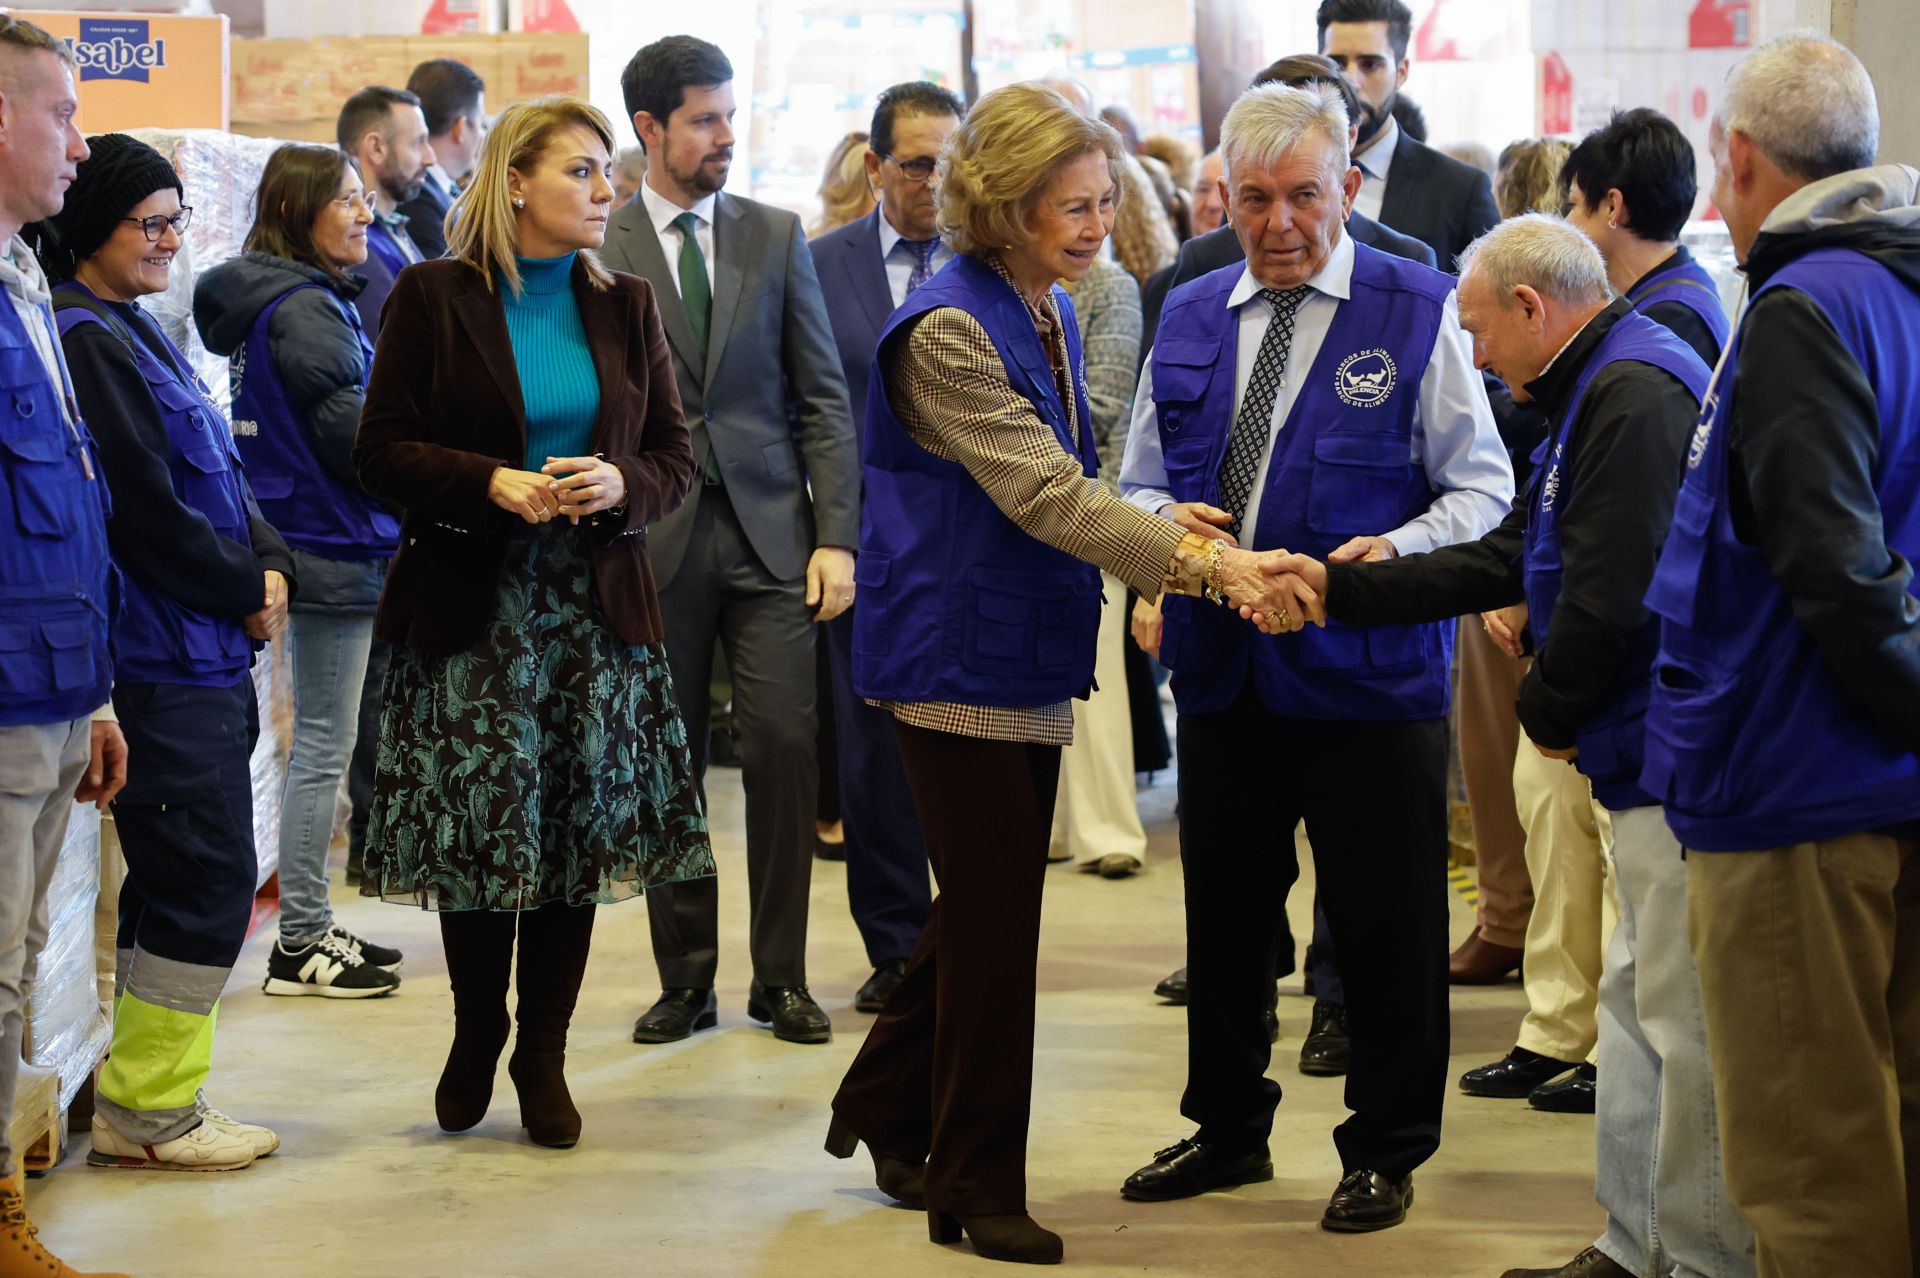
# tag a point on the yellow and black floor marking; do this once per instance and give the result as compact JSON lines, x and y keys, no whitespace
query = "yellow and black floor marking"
{"x":1464,"y":881}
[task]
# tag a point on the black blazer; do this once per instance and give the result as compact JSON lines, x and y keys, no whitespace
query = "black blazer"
{"x":427,"y":218}
{"x":1204,"y":254}
{"x":444,"y":411}
{"x":1436,"y":199}
{"x":853,"y":280}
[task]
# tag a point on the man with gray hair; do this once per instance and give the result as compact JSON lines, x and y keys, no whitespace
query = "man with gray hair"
{"x":1784,"y":730}
{"x":1620,"y":393}
{"x":1321,"y":396}
{"x":58,"y":742}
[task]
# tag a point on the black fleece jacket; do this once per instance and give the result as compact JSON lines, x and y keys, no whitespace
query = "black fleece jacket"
{"x":1629,"y":445}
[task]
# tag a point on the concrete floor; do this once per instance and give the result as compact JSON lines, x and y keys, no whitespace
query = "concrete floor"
{"x":704,"y":1157}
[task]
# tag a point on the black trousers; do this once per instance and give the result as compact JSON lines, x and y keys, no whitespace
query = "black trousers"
{"x":946,"y":1073}
{"x":1373,"y":796}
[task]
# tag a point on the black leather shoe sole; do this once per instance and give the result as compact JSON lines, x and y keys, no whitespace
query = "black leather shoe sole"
{"x":1568,"y":1097}
{"x":1323,"y":1067}
{"x":1344,"y":1225}
{"x":1173,"y":1191}
{"x":644,"y":1032}
{"x":786,"y":1033}
{"x":1173,"y":988}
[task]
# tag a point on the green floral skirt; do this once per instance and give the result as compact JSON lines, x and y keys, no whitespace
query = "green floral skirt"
{"x":546,"y":763}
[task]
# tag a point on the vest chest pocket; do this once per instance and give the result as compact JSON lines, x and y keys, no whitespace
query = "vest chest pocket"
{"x":1359,"y":484}
{"x":41,"y":477}
{"x":207,"y":484}
{"x":39,"y":657}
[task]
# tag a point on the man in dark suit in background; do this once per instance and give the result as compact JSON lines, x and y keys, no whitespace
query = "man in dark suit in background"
{"x":867,"y":268}
{"x":1217,"y":248}
{"x":453,"y":97}
{"x":1404,"y":183}
{"x":762,"y":547}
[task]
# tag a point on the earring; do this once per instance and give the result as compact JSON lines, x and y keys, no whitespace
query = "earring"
{"x":519,"y":202}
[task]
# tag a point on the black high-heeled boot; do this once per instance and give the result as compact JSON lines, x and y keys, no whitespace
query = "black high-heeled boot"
{"x":1014,"y":1238}
{"x":897,"y":1178}
{"x":479,"y":948}
{"x":554,"y":941}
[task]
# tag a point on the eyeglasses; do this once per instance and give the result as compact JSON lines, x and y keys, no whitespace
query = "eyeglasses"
{"x":354,"y":203}
{"x":916,"y":170}
{"x":156,"y":226}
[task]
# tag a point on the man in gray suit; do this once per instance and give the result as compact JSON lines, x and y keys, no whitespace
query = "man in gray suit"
{"x":762,"y":549}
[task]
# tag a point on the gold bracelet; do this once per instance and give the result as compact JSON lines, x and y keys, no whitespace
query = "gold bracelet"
{"x":1215,"y":591}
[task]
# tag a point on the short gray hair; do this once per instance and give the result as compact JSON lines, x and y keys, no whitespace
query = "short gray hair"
{"x":1807,"y":103}
{"x":1546,"y":253}
{"x":1269,"y":120}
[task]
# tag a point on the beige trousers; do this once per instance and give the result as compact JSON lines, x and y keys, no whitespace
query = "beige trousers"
{"x":1096,"y":813}
{"x":1489,"y":735}
{"x":1568,"y":835}
{"x":1810,"y":970}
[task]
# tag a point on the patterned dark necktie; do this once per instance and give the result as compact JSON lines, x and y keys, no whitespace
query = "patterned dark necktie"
{"x":1255,"y":420}
{"x":920,"y":253}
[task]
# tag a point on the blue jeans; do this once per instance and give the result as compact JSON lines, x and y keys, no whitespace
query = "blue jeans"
{"x":329,"y":653}
{"x":1659,"y":1173}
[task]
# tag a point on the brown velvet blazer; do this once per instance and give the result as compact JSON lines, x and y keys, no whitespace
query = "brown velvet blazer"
{"x":444,"y":411}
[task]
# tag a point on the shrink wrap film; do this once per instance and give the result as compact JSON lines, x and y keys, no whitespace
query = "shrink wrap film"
{"x":36,"y":1108}
{"x":66,"y":1027}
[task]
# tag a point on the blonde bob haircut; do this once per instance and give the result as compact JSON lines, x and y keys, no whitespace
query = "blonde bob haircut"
{"x":998,"y":163}
{"x":482,"y":229}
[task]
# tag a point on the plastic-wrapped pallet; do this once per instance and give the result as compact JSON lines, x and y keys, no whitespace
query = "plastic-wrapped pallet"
{"x":66,"y":1027}
{"x":220,"y":172}
{"x":36,"y":1108}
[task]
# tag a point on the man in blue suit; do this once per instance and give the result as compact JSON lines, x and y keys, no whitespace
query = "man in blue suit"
{"x":867,"y":268}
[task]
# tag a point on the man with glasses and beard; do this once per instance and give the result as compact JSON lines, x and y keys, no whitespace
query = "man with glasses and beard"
{"x":762,"y":549}
{"x":385,"y":131}
{"x":1404,"y":183}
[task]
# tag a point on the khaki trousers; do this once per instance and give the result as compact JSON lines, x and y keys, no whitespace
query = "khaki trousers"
{"x":1097,"y":813}
{"x":1489,"y":735}
{"x":1810,"y":968}
{"x":1573,"y":905}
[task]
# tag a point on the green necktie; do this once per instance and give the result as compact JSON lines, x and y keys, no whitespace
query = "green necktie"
{"x":695,"y":293}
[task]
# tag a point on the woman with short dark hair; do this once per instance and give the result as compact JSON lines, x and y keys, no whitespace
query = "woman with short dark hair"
{"x":284,"y":314}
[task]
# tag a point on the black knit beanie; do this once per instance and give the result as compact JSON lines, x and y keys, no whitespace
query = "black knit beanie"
{"x":120,"y":172}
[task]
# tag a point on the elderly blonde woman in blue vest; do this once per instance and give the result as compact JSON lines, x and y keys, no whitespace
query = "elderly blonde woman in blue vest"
{"x":984,"y":535}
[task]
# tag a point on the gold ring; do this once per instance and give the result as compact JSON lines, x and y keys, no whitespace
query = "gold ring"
{"x":1285,"y":619}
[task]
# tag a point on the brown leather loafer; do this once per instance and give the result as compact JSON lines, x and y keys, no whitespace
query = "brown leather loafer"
{"x":1479,"y":961}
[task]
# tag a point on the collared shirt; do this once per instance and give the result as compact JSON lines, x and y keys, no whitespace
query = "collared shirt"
{"x":1375,"y":163}
{"x":899,"y":265}
{"x":1454,"y":437}
{"x":442,"y":181}
{"x":663,"y":211}
{"x":395,"y":225}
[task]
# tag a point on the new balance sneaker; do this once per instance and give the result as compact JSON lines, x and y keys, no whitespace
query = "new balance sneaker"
{"x":263,"y":1139}
{"x":326,"y":968}
{"x":380,"y":956}
{"x":207,"y":1148}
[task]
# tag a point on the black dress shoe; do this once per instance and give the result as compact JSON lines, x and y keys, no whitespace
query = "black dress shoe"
{"x":796,"y":1017}
{"x":1190,"y":1168}
{"x":880,"y":986}
{"x":1514,"y":1075}
{"x":829,"y":851}
{"x":1366,"y":1201}
{"x":1591,"y":1263}
{"x":1328,"y":1047}
{"x":1173,"y":988}
{"x":678,"y":1013}
{"x":1573,"y":1094}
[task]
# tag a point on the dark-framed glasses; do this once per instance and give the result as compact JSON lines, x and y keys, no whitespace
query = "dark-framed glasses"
{"x":918,"y":170}
{"x":156,"y":226}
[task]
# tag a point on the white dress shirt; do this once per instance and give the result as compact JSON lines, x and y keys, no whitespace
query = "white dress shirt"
{"x":1454,"y":438}
{"x":900,"y":266}
{"x":1375,"y":163}
{"x":663,"y":211}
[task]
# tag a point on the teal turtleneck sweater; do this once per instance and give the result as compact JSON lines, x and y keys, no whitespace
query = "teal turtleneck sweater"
{"x":558,"y":382}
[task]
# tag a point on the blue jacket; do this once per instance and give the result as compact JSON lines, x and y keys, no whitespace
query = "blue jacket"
{"x":57,"y":584}
{"x":956,"y":602}
{"x":1342,"y":467}
{"x":853,"y":280}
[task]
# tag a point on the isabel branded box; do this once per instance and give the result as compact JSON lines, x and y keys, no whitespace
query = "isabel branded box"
{"x":145,"y":70}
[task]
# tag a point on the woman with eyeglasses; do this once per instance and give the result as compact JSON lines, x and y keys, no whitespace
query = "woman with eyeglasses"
{"x":283,"y":313}
{"x":204,"y":584}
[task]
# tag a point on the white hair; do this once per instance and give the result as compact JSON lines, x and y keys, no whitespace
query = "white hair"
{"x":1546,"y":253}
{"x":1807,"y":104}
{"x":1269,"y":120}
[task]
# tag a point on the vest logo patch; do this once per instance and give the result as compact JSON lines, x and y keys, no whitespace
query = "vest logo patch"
{"x":1550,"y":487}
{"x":1365,"y":379}
{"x":1703,"y":432}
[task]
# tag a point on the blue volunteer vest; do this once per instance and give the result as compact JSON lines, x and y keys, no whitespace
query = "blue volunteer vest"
{"x":1690,"y":284}
{"x":1341,"y":467}
{"x":311,"y":509}
{"x":956,"y":602}
{"x":157,"y":639}
{"x":57,"y":583}
{"x":382,"y":244}
{"x":1611,"y":742}
{"x":1751,"y":741}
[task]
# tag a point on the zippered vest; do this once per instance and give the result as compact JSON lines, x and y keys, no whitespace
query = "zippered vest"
{"x":1752,"y":743}
{"x":1611,"y":742}
{"x":957,"y":603}
{"x":311,"y":509}
{"x":1342,"y":466}
{"x":157,"y":639}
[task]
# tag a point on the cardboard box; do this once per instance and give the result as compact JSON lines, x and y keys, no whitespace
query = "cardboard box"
{"x":145,"y":70}
{"x":533,"y":65}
